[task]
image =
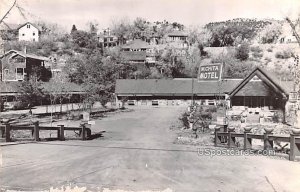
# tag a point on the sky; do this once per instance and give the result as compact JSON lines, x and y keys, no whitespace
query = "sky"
{"x":188,"y":12}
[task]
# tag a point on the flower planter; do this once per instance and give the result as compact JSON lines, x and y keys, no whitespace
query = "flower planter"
{"x":296,"y":131}
{"x":247,"y":129}
{"x":231,"y":129}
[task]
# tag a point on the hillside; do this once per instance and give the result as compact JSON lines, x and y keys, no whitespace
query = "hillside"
{"x":273,"y":57}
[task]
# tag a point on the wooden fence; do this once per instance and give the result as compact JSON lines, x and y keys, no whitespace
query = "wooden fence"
{"x":230,"y":138}
{"x":6,"y":129}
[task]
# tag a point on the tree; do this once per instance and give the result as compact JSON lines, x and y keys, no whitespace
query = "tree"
{"x":242,"y":52}
{"x":293,"y":26}
{"x":31,"y":92}
{"x":122,"y":29}
{"x":74,"y":29}
{"x":270,"y":33}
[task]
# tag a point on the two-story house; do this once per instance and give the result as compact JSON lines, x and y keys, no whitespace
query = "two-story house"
{"x":28,"y":32}
{"x":18,"y":65}
{"x":138,"y":51}
{"x":178,"y":37}
{"x":106,"y":39}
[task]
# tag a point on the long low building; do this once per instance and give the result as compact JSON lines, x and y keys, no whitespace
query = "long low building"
{"x":259,"y":89}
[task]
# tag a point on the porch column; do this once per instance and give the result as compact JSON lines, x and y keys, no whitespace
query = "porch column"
{"x":284,"y":101}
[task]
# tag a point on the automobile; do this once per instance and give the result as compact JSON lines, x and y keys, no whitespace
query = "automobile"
{"x":16,"y":105}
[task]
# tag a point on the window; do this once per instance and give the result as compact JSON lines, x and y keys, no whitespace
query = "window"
{"x":23,"y":34}
{"x":6,"y":71}
{"x":33,"y":39}
{"x":155,"y":102}
{"x":111,"y":39}
{"x":33,"y":34}
{"x":28,"y":26}
{"x":130,"y":102}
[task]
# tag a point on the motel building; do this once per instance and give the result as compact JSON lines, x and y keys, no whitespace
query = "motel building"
{"x":259,"y":91}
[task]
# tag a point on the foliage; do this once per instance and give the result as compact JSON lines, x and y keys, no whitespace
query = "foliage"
{"x":284,"y":54}
{"x":31,"y":92}
{"x":232,"y":32}
{"x":242,"y":52}
{"x":184,"y":119}
{"x":270,"y":33}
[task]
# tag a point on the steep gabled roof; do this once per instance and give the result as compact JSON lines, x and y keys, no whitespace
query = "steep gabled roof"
{"x":28,"y":23}
{"x":26,"y":55}
{"x":267,"y":78}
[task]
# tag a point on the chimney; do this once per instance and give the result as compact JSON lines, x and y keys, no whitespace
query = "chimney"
{"x":25,"y":50}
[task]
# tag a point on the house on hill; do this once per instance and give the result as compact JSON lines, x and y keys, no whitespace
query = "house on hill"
{"x":178,"y":37}
{"x":137,"y":51}
{"x":28,"y":32}
{"x":24,"y":32}
{"x":17,"y":66}
{"x":106,"y":39}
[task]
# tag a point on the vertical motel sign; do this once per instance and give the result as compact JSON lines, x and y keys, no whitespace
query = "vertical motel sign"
{"x":210,"y":72}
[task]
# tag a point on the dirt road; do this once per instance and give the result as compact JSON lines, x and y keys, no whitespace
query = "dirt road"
{"x":137,"y":153}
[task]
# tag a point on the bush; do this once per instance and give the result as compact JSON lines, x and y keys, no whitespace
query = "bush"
{"x":278,"y":116}
{"x":285,"y":54}
{"x":184,"y":119}
{"x":257,"y":54}
{"x":270,"y":50}
{"x":256,"y":49}
{"x":242,"y":52}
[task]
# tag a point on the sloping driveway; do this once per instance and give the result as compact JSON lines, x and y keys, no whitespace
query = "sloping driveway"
{"x":137,"y":153}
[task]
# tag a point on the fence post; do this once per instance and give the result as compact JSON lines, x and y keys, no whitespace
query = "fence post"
{"x":36,"y":131}
{"x":217,"y":138}
{"x":247,"y":141}
{"x":83,"y":131}
{"x":231,"y":140}
{"x":268,"y":144}
{"x":61,"y":133}
{"x":7,"y":132}
{"x":292,"y":148}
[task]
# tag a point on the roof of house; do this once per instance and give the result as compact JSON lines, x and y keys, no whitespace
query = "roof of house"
{"x":9,"y":87}
{"x":26,"y":55}
{"x":182,"y":86}
{"x":268,"y":78}
{"x":12,"y":87}
{"x":177,"y":33}
{"x":133,"y":55}
{"x":136,"y":44}
{"x":28,"y":23}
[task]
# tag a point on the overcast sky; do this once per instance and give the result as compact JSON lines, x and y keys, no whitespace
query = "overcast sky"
{"x":188,"y":12}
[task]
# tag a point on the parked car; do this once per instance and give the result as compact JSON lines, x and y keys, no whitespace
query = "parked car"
{"x":16,"y":105}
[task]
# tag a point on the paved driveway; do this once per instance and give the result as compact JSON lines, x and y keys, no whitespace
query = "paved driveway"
{"x":137,"y":153}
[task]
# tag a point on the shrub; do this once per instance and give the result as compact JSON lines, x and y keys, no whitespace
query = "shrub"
{"x":242,"y":52}
{"x":256,"y":49}
{"x":270,"y":50}
{"x":278,"y":116}
{"x":257,"y":54}
{"x":184,"y":119}
{"x":285,"y":54}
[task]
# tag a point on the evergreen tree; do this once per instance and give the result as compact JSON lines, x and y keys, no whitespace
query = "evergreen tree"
{"x":74,"y":29}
